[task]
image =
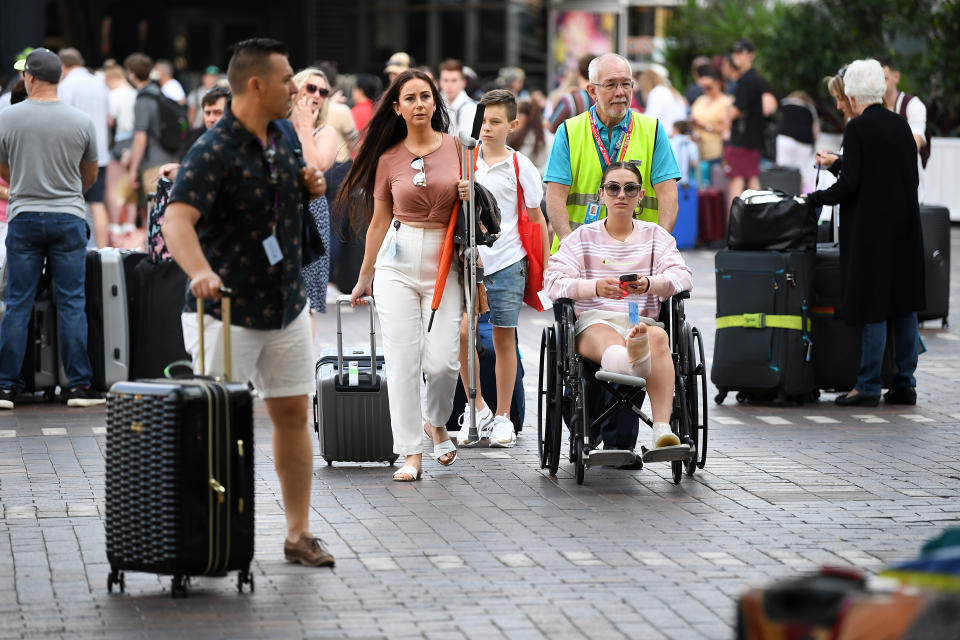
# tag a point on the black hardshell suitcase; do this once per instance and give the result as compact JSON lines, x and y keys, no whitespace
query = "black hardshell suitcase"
{"x":39,"y":371}
{"x":763,"y":341}
{"x":351,"y":409}
{"x":935,"y":225}
{"x":110,"y":288}
{"x":179,"y":478}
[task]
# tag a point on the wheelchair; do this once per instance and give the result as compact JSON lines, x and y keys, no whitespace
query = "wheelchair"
{"x":566,"y":378}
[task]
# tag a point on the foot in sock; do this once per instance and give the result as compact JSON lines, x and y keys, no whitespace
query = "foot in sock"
{"x":638,"y":350}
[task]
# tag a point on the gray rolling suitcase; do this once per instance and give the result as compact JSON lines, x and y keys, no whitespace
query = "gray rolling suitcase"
{"x":351,"y":412}
{"x":786,"y":179}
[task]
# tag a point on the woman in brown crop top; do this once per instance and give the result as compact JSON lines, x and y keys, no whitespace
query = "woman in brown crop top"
{"x":403,"y":184}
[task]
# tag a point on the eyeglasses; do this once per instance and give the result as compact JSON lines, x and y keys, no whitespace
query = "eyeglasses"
{"x":420,"y":179}
{"x":613,"y":86}
{"x":613,"y":189}
{"x":323,"y":92}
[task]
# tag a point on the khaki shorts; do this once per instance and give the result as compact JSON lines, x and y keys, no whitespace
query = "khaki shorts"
{"x":279,"y":362}
{"x":616,"y":320}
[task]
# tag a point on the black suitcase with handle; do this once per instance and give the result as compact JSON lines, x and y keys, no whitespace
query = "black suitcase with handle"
{"x":935,"y":226}
{"x":179,"y":478}
{"x":763,"y":342}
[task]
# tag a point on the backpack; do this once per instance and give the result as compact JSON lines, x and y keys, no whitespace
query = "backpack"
{"x":173,"y":121}
{"x":925,"y":149}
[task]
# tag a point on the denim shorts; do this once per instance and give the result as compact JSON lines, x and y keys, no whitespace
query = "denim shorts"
{"x":505,"y":293}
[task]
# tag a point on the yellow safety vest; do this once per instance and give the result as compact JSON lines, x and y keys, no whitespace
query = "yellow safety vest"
{"x":587,"y":171}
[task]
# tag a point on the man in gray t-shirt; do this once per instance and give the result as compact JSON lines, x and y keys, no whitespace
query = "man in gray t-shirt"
{"x":48,"y":154}
{"x":147,"y":154}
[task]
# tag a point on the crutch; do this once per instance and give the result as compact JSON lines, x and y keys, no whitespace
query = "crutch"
{"x":468,"y":144}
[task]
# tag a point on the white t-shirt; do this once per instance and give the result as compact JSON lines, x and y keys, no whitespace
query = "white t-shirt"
{"x":666,"y":107}
{"x":85,"y":91}
{"x":501,"y":180}
{"x":173,"y":90}
{"x":461,"y":110}
{"x":917,"y":119}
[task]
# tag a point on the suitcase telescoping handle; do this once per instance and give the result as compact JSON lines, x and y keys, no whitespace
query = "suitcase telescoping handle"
{"x":345,"y":299}
{"x":225,"y":294}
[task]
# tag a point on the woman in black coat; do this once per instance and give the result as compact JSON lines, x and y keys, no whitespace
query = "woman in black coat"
{"x":881,"y":250}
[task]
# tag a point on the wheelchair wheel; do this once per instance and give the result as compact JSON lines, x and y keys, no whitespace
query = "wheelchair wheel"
{"x":581,"y":424}
{"x":697,"y":391}
{"x":549,"y":397}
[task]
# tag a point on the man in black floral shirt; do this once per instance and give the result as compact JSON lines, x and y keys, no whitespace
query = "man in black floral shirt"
{"x":234,"y":220}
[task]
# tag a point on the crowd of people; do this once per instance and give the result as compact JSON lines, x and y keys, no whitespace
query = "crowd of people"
{"x":595,"y":164}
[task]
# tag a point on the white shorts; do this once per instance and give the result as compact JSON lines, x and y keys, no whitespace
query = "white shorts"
{"x":616,"y":320}
{"x":279,"y":362}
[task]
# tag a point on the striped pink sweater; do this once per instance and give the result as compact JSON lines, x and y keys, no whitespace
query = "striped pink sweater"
{"x":590,"y":253}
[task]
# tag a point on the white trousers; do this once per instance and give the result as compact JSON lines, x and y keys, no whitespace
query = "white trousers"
{"x":406,"y":271}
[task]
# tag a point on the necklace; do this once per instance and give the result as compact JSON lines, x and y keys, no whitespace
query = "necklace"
{"x":433,"y":146}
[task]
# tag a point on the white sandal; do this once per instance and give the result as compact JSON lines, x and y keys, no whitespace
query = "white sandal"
{"x":444,"y":448}
{"x":408,"y":470}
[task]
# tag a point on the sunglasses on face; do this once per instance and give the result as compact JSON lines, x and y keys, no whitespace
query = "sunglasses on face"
{"x":613,"y":189}
{"x":323,"y":92}
{"x":420,"y":179}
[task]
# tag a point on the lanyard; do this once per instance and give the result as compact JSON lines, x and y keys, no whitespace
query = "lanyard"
{"x":619,"y":149}
{"x":270,"y":155}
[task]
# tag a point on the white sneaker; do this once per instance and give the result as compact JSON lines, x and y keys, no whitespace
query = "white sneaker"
{"x":663,"y":436}
{"x":484,"y":425}
{"x":502,"y":434}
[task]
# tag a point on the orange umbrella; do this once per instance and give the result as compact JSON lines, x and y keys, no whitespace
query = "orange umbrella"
{"x":446,"y":257}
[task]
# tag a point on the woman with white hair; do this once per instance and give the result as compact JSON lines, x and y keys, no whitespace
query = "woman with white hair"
{"x":881,"y":251}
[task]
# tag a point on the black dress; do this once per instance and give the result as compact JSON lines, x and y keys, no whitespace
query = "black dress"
{"x":881,"y":247}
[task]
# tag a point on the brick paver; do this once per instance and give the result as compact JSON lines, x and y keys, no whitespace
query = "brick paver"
{"x":495,"y":547}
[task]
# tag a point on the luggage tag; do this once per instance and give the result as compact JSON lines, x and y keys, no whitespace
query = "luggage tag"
{"x":272,"y":248}
{"x":634,"y":308}
{"x":353,"y":373}
{"x":593,"y":211}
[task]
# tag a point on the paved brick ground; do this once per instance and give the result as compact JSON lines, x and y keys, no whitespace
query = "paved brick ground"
{"x":494,"y":547}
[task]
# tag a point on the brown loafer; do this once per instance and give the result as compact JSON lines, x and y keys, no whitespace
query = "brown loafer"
{"x":307,"y":551}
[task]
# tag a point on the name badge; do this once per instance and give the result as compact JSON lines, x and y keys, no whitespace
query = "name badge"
{"x":593,"y":212}
{"x":272,"y":248}
{"x":634,"y":313}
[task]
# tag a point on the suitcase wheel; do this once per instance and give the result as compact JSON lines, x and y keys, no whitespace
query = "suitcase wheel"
{"x":244,"y":577}
{"x":720,"y":397}
{"x":392,"y":459}
{"x":329,"y":461}
{"x":116,"y":578}
{"x":178,"y":586}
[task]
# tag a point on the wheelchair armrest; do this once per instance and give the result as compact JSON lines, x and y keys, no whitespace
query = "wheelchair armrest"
{"x":683,"y":295}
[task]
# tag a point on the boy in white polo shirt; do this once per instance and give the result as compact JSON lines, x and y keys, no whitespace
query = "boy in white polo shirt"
{"x":499,"y":168}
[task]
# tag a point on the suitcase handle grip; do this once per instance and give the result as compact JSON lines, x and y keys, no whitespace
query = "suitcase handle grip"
{"x":345,"y":299}
{"x":225,"y":294}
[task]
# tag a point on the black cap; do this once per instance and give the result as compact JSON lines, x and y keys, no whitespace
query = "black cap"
{"x":743,"y":45}
{"x":43,"y":64}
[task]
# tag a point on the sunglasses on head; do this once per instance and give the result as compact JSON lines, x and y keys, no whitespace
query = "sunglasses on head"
{"x":420,"y":179}
{"x":323,"y":92}
{"x":613,"y":189}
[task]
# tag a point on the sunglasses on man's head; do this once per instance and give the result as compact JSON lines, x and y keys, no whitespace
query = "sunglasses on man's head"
{"x":613,"y":189}
{"x":323,"y":92}
{"x":420,"y":179}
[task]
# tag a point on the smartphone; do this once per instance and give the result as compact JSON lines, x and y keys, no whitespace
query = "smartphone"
{"x":628,"y":277}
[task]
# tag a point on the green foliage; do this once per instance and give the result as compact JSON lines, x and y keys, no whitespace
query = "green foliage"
{"x":798,"y":44}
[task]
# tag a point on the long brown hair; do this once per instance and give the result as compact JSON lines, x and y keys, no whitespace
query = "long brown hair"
{"x":384,"y":131}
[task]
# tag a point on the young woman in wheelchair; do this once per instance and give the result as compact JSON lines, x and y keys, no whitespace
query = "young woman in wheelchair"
{"x":617,"y":269}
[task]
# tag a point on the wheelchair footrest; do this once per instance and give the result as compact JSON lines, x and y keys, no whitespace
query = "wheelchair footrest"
{"x":620,"y":378}
{"x":610,"y":457}
{"x":667,"y":454}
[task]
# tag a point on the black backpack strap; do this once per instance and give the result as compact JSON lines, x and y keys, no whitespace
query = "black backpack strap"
{"x":290,"y":135}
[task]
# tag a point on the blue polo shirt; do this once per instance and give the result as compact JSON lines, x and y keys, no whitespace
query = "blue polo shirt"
{"x":558,"y":164}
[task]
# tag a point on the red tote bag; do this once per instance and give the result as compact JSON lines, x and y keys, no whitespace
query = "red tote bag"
{"x":532,"y":241}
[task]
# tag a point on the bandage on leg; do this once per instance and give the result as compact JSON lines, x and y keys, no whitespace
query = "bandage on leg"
{"x":617,"y":360}
{"x":638,"y":351}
